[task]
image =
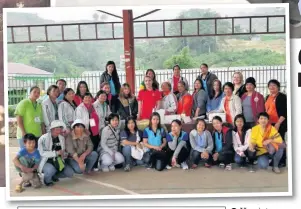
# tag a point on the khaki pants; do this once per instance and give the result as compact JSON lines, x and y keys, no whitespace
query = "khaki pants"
{"x":33,"y":178}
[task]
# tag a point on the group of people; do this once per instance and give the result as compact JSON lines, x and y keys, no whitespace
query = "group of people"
{"x":73,"y":132}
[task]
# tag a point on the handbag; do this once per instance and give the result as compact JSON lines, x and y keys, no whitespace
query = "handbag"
{"x":118,"y":141}
{"x":137,"y":152}
{"x":58,"y":163}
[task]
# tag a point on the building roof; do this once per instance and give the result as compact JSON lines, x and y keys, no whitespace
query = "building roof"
{"x":22,"y":69}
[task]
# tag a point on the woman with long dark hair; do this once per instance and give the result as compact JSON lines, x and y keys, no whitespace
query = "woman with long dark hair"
{"x":216,"y":96}
{"x":67,"y":108}
{"x":130,"y":137}
{"x":150,"y":73}
{"x":127,"y":104}
{"x":200,"y":97}
{"x":81,"y":89}
{"x":223,"y":152}
{"x":110,"y":75}
{"x":241,"y":139}
{"x":154,"y":139}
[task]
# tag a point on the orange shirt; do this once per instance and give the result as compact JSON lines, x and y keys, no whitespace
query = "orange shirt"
{"x":227,"y":110}
{"x":185,"y":105}
{"x":270,"y":106}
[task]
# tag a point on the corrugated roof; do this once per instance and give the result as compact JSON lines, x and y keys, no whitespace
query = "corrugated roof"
{"x":19,"y":68}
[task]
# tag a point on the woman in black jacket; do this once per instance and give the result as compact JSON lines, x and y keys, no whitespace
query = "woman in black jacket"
{"x":223,"y":152}
{"x":127,"y":104}
{"x":276,"y":107}
{"x":110,"y":75}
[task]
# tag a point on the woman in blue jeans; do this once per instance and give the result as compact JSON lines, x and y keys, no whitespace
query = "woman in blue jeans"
{"x":130,"y":137}
{"x":79,"y":147}
{"x":241,"y":138}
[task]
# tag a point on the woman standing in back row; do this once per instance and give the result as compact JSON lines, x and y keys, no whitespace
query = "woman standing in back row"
{"x":111,"y":76}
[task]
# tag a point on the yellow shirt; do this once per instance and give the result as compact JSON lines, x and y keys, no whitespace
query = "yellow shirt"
{"x":257,"y":139}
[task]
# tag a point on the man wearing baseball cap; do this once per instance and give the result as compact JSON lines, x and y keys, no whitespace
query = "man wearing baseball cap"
{"x":51,"y":147}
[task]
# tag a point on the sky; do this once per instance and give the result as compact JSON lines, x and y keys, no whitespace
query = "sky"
{"x":166,"y":14}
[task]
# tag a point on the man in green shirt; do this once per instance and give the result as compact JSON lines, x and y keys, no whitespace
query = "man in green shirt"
{"x":29,"y":116}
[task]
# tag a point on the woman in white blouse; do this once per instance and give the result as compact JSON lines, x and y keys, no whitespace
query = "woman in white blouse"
{"x":67,"y":108}
{"x":230,"y":104}
{"x":241,"y":139}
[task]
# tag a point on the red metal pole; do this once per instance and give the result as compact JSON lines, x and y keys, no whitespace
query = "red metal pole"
{"x":129,"y":55}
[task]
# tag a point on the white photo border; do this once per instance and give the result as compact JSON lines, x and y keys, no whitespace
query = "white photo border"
{"x":151,"y":196}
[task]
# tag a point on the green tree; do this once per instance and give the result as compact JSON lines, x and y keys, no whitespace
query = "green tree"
{"x":183,"y":59}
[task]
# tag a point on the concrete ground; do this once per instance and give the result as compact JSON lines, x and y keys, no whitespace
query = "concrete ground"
{"x":143,"y":181}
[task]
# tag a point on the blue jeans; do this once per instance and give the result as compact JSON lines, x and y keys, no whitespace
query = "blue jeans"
{"x":263,"y":160}
{"x":50,"y":171}
{"x":242,"y":160}
{"x":127,"y":153}
{"x":89,"y":161}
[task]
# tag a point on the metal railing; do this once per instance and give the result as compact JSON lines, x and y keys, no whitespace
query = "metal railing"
{"x":18,"y":86}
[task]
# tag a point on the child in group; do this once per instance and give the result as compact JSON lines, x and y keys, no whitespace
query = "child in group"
{"x":26,"y":162}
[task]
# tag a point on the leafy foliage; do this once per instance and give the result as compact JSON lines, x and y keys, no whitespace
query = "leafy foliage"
{"x":73,"y":58}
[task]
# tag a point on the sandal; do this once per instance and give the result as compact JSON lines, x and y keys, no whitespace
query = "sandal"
{"x":19,"y":188}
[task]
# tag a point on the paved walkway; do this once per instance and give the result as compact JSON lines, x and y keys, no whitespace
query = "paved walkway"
{"x":175,"y":181}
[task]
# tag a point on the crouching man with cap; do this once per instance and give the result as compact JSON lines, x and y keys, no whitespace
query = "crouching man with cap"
{"x":79,"y":147}
{"x":51,"y":147}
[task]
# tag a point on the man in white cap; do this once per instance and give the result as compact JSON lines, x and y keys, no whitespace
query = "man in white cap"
{"x":51,"y":147}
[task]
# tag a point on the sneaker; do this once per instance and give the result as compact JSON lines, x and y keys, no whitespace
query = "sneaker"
{"x":222,"y":165}
{"x":295,"y":23}
{"x":49,"y":184}
{"x":55,"y":179}
{"x":255,"y":162}
{"x":178,"y":166}
{"x":26,"y":184}
{"x":184,"y":166}
{"x":168,"y":167}
{"x":251,"y":169}
{"x":112,"y":168}
{"x":276,"y":170}
{"x":149,"y":166}
{"x":127,"y":168}
{"x":228,"y":167}
{"x":207,"y":165}
{"x":105,"y":169}
{"x":19,"y":188}
{"x":96,"y":169}
{"x":242,"y":165}
{"x":194,"y":166}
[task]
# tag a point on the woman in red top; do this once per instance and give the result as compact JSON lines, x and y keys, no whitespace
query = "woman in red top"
{"x":81,"y":90}
{"x":185,"y":100}
{"x":148,"y":99}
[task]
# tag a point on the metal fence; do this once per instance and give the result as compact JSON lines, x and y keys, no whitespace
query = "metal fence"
{"x":18,"y":86}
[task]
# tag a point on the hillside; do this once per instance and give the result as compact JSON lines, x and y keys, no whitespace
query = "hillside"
{"x":65,"y":58}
